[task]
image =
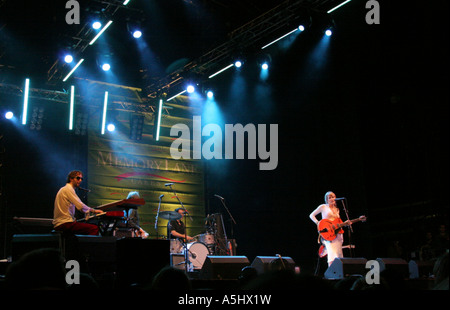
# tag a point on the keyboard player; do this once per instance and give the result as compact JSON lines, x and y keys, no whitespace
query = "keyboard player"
{"x":66,"y":202}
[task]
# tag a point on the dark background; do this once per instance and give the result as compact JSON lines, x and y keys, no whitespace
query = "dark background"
{"x":370,"y":124}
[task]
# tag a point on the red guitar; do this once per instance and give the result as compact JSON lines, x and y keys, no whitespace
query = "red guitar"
{"x":328,"y":229}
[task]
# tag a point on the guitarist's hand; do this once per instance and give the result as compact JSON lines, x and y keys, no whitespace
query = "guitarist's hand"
{"x":348,"y":223}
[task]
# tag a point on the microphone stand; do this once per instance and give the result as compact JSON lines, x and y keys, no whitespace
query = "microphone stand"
{"x":186,"y":256}
{"x":350,"y":228}
{"x":157,"y":214}
{"x":232,"y":219}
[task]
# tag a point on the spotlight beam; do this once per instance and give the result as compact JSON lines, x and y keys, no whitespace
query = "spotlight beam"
{"x":100,"y":32}
{"x":338,"y":6}
{"x":283,"y":36}
{"x":73,"y":70}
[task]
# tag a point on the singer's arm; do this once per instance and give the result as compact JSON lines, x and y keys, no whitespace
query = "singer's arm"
{"x":313,"y":214}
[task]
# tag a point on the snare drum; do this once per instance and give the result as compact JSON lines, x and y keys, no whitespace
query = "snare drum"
{"x":197,"y":253}
{"x":176,"y":246}
{"x":207,"y":238}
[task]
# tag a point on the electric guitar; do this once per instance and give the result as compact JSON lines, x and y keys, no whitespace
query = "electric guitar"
{"x":328,"y":230}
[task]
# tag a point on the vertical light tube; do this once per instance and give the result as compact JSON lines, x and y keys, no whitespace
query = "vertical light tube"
{"x":25,"y":101}
{"x":105,"y":106}
{"x":72,"y":103}
{"x":159,"y":119}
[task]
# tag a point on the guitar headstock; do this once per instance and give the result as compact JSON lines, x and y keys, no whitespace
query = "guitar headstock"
{"x":363,"y":218}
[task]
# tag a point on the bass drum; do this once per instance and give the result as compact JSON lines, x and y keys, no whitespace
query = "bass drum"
{"x":197,"y":253}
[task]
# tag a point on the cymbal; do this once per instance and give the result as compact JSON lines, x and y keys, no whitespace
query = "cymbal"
{"x":169,"y":215}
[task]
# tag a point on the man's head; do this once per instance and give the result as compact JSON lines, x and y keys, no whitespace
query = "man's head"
{"x":75,"y":177}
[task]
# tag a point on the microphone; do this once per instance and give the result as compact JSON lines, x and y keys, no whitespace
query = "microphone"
{"x":342,"y":198}
{"x":168,"y":184}
{"x":161,"y":196}
{"x":220,"y":197}
{"x":84,"y":189}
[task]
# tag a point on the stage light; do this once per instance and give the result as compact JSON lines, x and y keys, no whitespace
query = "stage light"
{"x":282,"y":37}
{"x":25,"y":101}
{"x":238,"y":64}
{"x":9,"y":115}
{"x":100,"y":32}
{"x":158,"y":126}
{"x":176,"y":95}
{"x":301,"y":28}
{"x":137,"y":34}
{"x":328,"y":32}
{"x":111,"y":127}
{"x":73,"y":70}
{"x":190,"y":89}
{"x":210,"y":94}
{"x":106,"y":67}
{"x":96,"y":25}
{"x":68,"y":59}
{"x":72,"y":103}
{"x":338,"y":6}
{"x":221,"y":70}
{"x":105,"y":109}
{"x":265,"y":66}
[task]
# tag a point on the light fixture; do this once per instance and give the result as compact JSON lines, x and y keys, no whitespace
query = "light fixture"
{"x":105,"y":109}
{"x":73,"y":70}
{"x":25,"y":101}
{"x":68,"y":59}
{"x":96,"y":25}
{"x":9,"y":115}
{"x":100,"y":32}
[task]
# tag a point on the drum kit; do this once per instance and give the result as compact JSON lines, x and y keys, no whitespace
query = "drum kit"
{"x":202,"y":245}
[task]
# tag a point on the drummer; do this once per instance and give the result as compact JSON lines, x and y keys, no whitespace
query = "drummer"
{"x":176,"y":227}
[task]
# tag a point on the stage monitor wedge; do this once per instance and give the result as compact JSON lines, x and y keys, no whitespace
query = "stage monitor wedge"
{"x":343,"y":267}
{"x":223,"y":267}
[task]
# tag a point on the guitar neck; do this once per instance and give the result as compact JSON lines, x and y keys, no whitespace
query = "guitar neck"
{"x":351,"y":222}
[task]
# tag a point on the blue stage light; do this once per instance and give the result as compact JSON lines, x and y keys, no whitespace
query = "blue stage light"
{"x":106,"y":67}
{"x":265,"y":66}
{"x":328,"y":32}
{"x":111,"y":127}
{"x":9,"y":115}
{"x":96,"y":25}
{"x":190,"y":89}
{"x":68,"y":59}
{"x":137,"y":34}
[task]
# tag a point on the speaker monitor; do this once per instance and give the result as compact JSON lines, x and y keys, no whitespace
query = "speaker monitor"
{"x":264,"y":264}
{"x":397,"y":265}
{"x":223,"y":267}
{"x":24,"y":243}
{"x":344,"y":267}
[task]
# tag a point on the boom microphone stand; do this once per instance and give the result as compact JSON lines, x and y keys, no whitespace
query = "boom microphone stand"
{"x":231,"y":216}
{"x":157,"y":214}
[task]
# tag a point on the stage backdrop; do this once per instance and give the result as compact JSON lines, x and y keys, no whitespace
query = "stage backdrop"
{"x":118,"y":165}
